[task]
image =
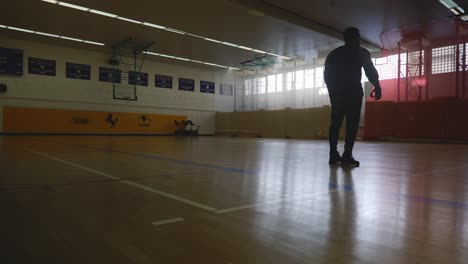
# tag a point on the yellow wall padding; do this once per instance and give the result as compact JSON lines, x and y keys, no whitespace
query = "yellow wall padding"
{"x":310,"y":123}
{"x":44,"y":120}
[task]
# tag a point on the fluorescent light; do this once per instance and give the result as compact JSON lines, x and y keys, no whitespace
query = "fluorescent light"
{"x":151,"y":53}
{"x":50,"y":1}
{"x":448,"y":3}
{"x":259,"y":51}
{"x":189,"y":60}
{"x":129,"y":20}
{"x":234,"y":68}
{"x":179,"y":58}
{"x":73,"y":39}
{"x":166,"y":56}
{"x":452,"y":6}
{"x":153,"y":25}
{"x":464,"y":18}
{"x":103,"y":13}
{"x":74,"y":6}
{"x":243,"y":47}
{"x":197,"y":36}
{"x":197,"y":61}
{"x":94,"y":43}
{"x":212,"y":40}
{"x":51,"y":35}
{"x":279,"y":56}
{"x":459,"y":9}
{"x":47,"y":34}
{"x":230,"y":44}
{"x":175,"y":31}
{"x":20,"y":29}
{"x":454,"y":11}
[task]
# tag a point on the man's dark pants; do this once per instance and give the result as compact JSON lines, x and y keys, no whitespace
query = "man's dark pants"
{"x":345,"y":106}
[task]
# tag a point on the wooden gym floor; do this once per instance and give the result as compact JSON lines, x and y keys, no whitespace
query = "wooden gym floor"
{"x":125,"y":199}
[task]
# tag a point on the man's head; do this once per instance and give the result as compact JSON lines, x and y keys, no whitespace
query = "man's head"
{"x":352,"y":37}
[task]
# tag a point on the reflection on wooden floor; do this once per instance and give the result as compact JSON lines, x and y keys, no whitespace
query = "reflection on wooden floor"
{"x":223,"y":200}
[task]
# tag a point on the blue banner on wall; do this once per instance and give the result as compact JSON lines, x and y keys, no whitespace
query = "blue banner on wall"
{"x":207,"y":87}
{"x":186,"y":84}
{"x":138,"y":78}
{"x":109,"y":75}
{"x":78,"y":71}
{"x":41,"y":66}
{"x":163,"y":81}
{"x":11,"y":61}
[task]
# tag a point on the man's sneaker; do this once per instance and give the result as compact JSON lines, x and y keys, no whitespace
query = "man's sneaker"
{"x":335,"y":158}
{"x":349,"y":162}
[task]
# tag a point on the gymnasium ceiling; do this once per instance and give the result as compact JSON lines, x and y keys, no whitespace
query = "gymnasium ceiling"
{"x":293,"y":28}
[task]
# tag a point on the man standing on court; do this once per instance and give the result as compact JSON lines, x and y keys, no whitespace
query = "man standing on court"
{"x":343,"y":70}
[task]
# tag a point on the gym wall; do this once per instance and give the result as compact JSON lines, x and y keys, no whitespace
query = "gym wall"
{"x":59,"y":92}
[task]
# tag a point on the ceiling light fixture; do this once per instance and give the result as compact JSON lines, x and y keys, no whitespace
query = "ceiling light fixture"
{"x":213,"y":40}
{"x":102,"y":13}
{"x":452,"y":6}
{"x":51,"y":35}
{"x":189,"y":60}
{"x":153,"y":25}
{"x":246,"y":48}
{"x":98,"y":12}
{"x":175,"y":31}
{"x":20,"y":29}
{"x":72,"y":39}
{"x":94,"y":43}
{"x":74,"y":6}
{"x":47,"y":34}
{"x":231,"y":44}
{"x":129,"y":20}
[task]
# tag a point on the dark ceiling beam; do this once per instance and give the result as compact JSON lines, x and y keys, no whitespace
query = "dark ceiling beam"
{"x":297,"y":19}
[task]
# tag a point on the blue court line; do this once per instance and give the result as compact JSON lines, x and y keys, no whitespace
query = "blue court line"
{"x":422,"y":199}
{"x":453,"y":204}
{"x":185,"y":162}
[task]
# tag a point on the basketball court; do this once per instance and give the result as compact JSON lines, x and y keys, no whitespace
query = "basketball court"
{"x":197,"y":132}
{"x":223,"y":200}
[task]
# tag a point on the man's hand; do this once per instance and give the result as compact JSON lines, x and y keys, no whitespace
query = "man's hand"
{"x":376,"y":93}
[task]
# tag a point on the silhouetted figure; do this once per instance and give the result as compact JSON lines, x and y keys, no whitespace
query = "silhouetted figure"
{"x":343,"y":78}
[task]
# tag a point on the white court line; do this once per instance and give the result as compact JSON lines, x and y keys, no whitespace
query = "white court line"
{"x":248,"y":206}
{"x":143,"y":187}
{"x":168,"y":221}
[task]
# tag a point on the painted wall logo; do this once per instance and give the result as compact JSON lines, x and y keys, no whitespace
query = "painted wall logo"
{"x":111,"y":120}
{"x":144,"y":121}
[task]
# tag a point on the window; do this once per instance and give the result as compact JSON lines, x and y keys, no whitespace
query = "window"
{"x":248,"y":86}
{"x":261,"y":85}
{"x":443,"y":60}
{"x":413,"y":63}
{"x":381,"y":61}
{"x":289,"y":81}
{"x":319,"y":80}
{"x":271,"y":84}
{"x":323,"y":91}
{"x":279,"y":82}
{"x":299,"y":80}
{"x":309,"y":78}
